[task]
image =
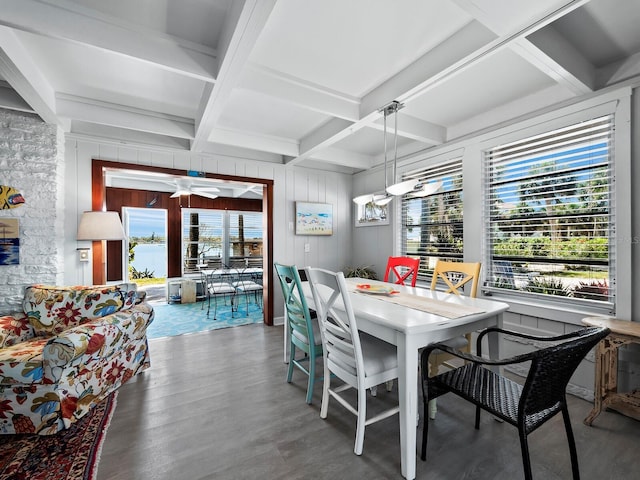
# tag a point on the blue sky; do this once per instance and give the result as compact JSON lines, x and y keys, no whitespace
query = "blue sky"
{"x":143,"y":222}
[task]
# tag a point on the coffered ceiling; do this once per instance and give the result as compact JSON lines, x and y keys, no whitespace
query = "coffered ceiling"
{"x":302,"y":81}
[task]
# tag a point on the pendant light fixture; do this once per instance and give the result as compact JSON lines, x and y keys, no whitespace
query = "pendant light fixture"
{"x":399,"y":188}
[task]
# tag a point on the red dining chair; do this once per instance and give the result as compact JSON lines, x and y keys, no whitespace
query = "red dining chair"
{"x":400,"y":269}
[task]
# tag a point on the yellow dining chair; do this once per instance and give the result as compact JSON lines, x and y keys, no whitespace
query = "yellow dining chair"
{"x":455,"y":276}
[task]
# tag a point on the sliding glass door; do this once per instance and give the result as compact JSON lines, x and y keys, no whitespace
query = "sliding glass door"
{"x":146,"y":232}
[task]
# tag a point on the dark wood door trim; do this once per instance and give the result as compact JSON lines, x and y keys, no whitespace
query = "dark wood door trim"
{"x":99,"y":202}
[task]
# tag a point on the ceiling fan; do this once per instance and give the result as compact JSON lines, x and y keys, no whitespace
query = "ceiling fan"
{"x":185,"y":186}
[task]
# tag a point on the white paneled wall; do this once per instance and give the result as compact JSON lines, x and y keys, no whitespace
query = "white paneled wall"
{"x":291,"y":184}
{"x":372,"y":245}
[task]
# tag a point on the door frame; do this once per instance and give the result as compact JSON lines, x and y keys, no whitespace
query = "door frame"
{"x":99,"y":203}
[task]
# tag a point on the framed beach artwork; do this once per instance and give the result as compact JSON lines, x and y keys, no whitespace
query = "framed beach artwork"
{"x":314,"y":218}
{"x":9,"y":241}
{"x":370,"y":215}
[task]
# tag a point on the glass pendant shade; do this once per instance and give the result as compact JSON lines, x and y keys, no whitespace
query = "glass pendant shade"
{"x":363,"y":199}
{"x":427,"y":189}
{"x":401,"y":188}
{"x":382,"y":200}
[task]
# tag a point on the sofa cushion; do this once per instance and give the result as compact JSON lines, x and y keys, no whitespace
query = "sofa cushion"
{"x":130,"y":294}
{"x":14,"y":329}
{"x":22,"y":363}
{"x":52,"y":309}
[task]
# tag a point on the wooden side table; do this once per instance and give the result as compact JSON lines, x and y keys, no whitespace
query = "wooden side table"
{"x":606,"y":384}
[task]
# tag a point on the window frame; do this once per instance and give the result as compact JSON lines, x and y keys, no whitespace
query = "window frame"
{"x":451,"y":163}
{"x":225,"y":224}
{"x":556,"y":159}
{"x":471,"y":146}
{"x":616,"y":103}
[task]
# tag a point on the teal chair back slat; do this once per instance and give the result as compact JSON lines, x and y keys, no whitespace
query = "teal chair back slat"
{"x":300,"y":325}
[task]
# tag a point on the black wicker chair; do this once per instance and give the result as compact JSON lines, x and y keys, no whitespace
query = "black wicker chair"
{"x":525,"y":406}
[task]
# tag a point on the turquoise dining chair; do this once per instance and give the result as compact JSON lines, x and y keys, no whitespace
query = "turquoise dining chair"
{"x":304,"y":332}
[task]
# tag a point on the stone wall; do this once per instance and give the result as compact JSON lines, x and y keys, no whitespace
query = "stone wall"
{"x":32,"y":161}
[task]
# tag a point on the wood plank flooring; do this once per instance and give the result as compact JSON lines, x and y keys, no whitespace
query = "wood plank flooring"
{"x":215,"y":405}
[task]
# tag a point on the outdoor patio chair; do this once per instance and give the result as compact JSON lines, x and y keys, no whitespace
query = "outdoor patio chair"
{"x":527,"y":406}
{"x":219,"y":285}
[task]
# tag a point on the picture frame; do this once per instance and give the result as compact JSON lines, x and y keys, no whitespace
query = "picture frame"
{"x":9,"y":241}
{"x":371,"y":215}
{"x":314,"y":218}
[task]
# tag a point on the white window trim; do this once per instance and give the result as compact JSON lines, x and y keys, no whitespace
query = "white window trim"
{"x":617,"y":101}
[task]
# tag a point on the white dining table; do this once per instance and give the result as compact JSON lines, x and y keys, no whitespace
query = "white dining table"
{"x":411,"y":329}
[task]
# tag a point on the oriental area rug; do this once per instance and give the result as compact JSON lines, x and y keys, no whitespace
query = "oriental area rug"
{"x":71,"y":454}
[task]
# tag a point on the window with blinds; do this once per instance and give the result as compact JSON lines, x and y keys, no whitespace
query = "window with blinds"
{"x":431,"y":226}
{"x":549,"y":204}
{"x":203,"y":238}
{"x":216,"y":238}
{"x":245,"y":238}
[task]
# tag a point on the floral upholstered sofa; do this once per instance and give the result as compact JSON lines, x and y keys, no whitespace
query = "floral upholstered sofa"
{"x":66,"y":351}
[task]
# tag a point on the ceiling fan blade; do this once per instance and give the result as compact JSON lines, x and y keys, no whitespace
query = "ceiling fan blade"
{"x":175,"y":195}
{"x":205,"y":194}
{"x":205,"y":189}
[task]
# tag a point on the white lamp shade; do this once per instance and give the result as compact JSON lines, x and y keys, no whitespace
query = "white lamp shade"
{"x":100,"y":226}
{"x":401,"y":188}
{"x":363,"y":199}
{"x":428,"y":189}
{"x":382,"y":200}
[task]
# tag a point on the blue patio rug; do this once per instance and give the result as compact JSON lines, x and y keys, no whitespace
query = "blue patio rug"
{"x":181,"y":318}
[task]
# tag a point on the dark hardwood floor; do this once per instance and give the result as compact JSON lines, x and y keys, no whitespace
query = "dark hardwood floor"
{"x":215,"y":405}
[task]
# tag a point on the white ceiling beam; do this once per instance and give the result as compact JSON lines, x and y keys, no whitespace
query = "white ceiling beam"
{"x":103,"y":113}
{"x":460,"y":51}
{"x":300,"y":92}
{"x":69,"y":21}
{"x":267,"y":143}
{"x":123,"y":136}
{"x":415,"y":129}
{"x":470,"y":45}
{"x":544,"y":49}
{"x":323,"y":137}
{"x":553,"y":55}
{"x":343,"y":157}
{"x":245,"y":22}
{"x":24,"y":76}
{"x":504,"y":20}
{"x":10,"y":100}
{"x":402,"y":87}
{"x":619,"y":71}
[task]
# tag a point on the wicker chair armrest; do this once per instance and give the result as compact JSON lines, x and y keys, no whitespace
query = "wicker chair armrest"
{"x":555,"y":338}
{"x":472,"y":358}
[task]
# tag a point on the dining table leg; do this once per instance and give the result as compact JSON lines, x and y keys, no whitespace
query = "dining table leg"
{"x":408,"y":398}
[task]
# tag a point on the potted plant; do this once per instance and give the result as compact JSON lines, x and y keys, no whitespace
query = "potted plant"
{"x":360,"y":272}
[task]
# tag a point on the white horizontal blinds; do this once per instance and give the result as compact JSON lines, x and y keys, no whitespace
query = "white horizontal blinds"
{"x":245,"y":235}
{"x":550,"y":209}
{"x":432,"y":225}
{"x":202,"y":238}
